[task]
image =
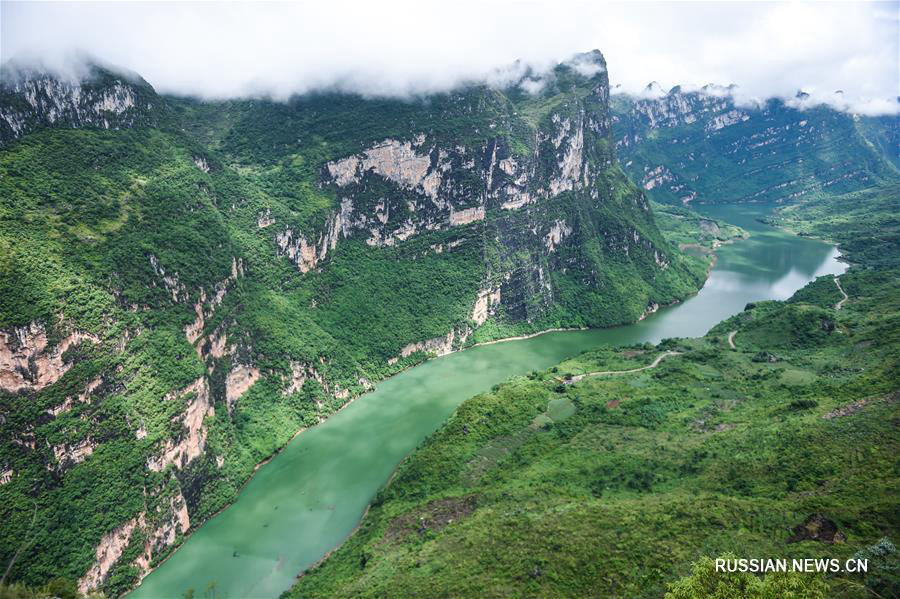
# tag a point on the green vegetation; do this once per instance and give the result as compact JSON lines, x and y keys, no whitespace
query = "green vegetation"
{"x":865,"y":223}
{"x":688,"y":146}
{"x":705,"y":582}
{"x":58,"y":588}
{"x":165,"y":240}
{"x":123,"y":235}
{"x":692,"y":233}
{"x":784,"y":447}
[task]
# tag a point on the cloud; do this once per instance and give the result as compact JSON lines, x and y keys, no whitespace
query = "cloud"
{"x":218,"y":50}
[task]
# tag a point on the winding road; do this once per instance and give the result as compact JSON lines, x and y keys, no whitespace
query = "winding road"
{"x":840,"y":304}
{"x":654,"y":364}
{"x":731,"y":340}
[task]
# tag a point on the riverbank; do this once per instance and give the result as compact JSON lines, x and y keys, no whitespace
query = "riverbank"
{"x":354,"y":398}
{"x":331,"y":472}
{"x":715,"y":452}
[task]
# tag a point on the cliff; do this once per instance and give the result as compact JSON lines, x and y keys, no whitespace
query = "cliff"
{"x":705,"y":146}
{"x":188,"y":284}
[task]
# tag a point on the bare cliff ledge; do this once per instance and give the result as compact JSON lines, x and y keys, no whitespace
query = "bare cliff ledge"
{"x":188,"y":284}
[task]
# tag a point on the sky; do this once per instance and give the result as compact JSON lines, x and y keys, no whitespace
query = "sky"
{"x":399,"y":48}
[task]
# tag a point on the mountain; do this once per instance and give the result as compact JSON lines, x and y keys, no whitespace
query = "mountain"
{"x":32,"y":97}
{"x":186,"y":285}
{"x":704,"y":146}
{"x":775,"y":434}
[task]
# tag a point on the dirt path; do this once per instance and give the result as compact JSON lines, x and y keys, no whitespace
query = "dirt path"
{"x":731,"y":339}
{"x":655,"y":363}
{"x":840,"y":304}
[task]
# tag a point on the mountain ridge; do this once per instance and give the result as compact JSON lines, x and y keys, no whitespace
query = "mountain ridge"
{"x":709,"y":147}
{"x":187,"y":284}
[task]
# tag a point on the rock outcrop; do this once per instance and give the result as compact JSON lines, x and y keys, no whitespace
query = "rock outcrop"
{"x":28,"y":362}
{"x":238,"y":382}
{"x":160,"y":528}
{"x":191,"y":442}
{"x":99,"y":99}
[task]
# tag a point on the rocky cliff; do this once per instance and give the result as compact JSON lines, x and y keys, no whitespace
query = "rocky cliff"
{"x":31,"y":99}
{"x":705,"y":146}
{"x":187,"y":284}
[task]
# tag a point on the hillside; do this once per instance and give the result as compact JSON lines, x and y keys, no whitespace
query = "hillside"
{"x":703,"y":146}
{"x":186,"y":285}
{"x":578,"y":481}
{"x":866,"y":222}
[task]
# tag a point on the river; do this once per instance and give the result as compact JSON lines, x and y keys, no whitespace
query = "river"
{"x":310,"y":497}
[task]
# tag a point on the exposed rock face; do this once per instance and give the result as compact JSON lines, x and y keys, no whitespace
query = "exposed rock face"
{"x":68,"y":455}
{"x":305,"y":254}
{"x":400,"y":188}
{"x":83,"y":397}
{"x":111,"y":547}
{"x":101,"y":100}
{"x":161,"y":528}
{"x":26,"y":361}
{"x":558,"y":232}
{"x":466,"y":216}
{"x":570,"y":140}
{"x":439,"y":346}
{"x":654,"y":177}
{"x":170,"y":281}
{"x":817,"y":528}
{"x":772,"y":151}
{"x":238,"y":382}
{"x":393,"y":160}
{"x":170,"y":520}
{"x":193,"y":438}
{"x":265,"y":219}
{"x":205,"y":307}
{"x":485,"y":305}
{"x":300,"y":373}
{"x":201,"y":163}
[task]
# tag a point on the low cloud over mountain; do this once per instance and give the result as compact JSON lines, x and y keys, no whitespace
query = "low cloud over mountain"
{"x":227,"y":50}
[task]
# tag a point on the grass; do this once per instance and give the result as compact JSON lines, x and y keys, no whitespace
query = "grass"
{"x":623,"y":486}
{"x":119,"y":233}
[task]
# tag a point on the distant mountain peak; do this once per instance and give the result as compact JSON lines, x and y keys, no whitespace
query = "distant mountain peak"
{"x":653,"y":90}
{"x":81,"y":92}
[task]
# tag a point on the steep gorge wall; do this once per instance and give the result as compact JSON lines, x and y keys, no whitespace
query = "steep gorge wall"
{"x":30,"y":100}
{"x":704,"y":146}
{"x":218,"y":353}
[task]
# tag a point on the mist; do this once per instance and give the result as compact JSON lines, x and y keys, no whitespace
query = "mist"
{"x":226,"y":50}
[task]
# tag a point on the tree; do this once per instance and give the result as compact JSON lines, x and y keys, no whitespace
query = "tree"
{"x":705,"y":582}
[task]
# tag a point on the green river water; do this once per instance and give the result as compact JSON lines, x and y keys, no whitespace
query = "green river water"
{"x":310,"y":497}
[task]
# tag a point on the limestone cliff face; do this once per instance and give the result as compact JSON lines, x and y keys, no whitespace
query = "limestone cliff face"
{"x":31,"y":99}
{"x":160,"y":527}
{"x":28,"y":361}
{"x":190,"y":355}
{"x":703,"y":145}
{"x":539,"y":193}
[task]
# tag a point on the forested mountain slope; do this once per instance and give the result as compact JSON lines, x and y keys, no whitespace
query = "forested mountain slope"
{"x":774,"y":436}
{"x":185,"y":285}
{"x":703,"y":146}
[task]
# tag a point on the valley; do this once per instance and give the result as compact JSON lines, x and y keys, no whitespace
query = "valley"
{"x":311,"y":496}
{"x":775,"y":430}
{"x":186,"y":286}
{"x":240,"y":336}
